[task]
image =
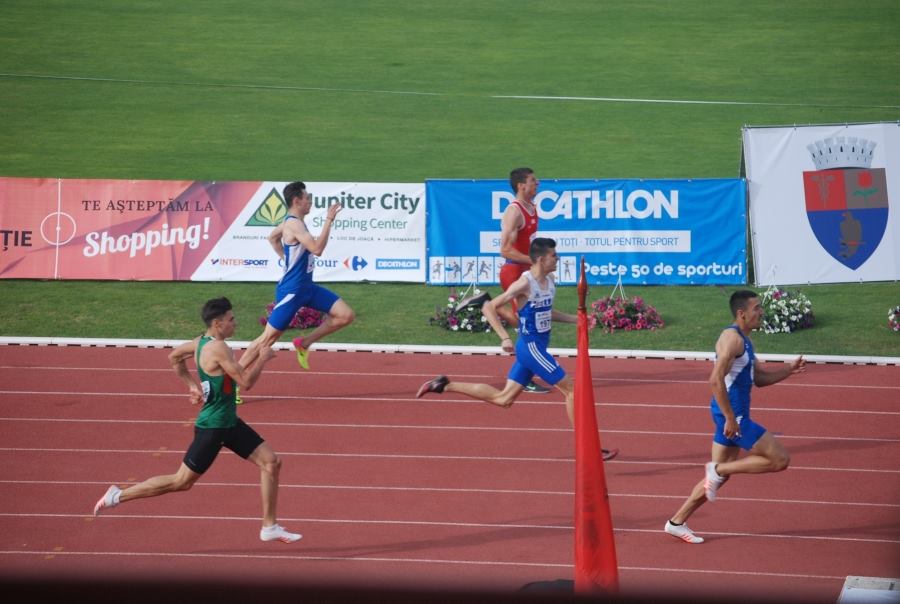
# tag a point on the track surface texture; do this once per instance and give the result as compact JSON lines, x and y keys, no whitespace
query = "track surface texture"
{"x":440,"y":495}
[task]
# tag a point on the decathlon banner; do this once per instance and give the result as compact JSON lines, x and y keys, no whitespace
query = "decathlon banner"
{"x":202,"y":231}
{"x":820,"y":199}
{"x":673,"y":232}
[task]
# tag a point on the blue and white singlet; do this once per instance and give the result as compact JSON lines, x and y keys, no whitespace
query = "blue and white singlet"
{"x":535,"y":316}
{"x":298,"y":267}
{"x":739,"y":380}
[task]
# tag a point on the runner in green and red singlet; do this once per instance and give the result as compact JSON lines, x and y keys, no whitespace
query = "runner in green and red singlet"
{"x":217,"y":424}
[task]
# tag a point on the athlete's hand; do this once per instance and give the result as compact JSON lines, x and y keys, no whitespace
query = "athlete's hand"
{"x":507,"y":345}
{"x":732,"y":429}
{"x":195,"y":395}
{"x":333,"y":210}
{"x":798,"y":365}
{"x":266,"y":354}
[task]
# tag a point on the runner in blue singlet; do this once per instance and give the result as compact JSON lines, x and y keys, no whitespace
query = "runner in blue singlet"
{"x":738,"y":382}
{"x":734,"y":374}
{"x":298,"y":250}
{"x":533,"y":293}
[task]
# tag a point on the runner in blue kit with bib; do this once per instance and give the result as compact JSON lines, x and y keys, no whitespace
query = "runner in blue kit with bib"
{"x":533,"y":293}
{"x":535,"y":318}
{"x":734,"y":374}
{"x":298,"y":250}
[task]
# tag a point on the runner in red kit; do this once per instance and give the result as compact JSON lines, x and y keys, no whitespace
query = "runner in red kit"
{"x":518,"y":228}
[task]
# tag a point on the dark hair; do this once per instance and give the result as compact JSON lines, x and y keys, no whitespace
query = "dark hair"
{"x":540,"y":246}
{"x":213,"y":309}
{"x":294,"y":189}
{"x":739,"y":300}
{"x":518,"y":176}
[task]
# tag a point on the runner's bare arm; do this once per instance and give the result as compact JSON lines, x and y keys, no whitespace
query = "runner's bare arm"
{"x":516,"y":291}
{"x":315,"y":245}
{"x":245,"y":377}
{"x":765,"y":374}
{"x":274,"y":239}
{"x":178,"y":358}
{"x":728,"y":347}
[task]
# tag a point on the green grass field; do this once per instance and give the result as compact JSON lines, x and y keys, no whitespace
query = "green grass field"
{"x":403,"y":91}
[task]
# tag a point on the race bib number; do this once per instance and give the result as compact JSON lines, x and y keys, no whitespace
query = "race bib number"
{"x":542,"y":320}
{"x":311,"y":264}
{"x":204,"y":386}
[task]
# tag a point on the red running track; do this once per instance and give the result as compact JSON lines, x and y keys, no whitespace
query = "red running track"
{"x":442,"y":493}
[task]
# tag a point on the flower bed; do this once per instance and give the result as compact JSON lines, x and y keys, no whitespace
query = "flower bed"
{"x":628,"y":314}
{"x":785,"y":311}
{"x":303,"y":319}
{"x":456,"y":316}
{"x":894,"y":318}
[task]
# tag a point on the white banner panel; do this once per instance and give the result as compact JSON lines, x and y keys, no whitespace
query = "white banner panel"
{"x":820,"y":202}
{"x":378,"y":236}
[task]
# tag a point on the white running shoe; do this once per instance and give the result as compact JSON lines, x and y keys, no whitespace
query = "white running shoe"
{"x":713,"y":481}
{"x":277,"y":533}
{"x":682,"y":532}
{"x":110,"y":499}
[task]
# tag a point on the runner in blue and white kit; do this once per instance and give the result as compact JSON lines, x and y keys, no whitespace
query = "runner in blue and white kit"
{"x":298,"y":249}
{"x":734,"y":374}
{"x":533,"y":293}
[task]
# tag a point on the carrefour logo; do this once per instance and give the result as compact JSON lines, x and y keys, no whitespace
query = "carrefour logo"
{"x":356,"y":263}
{"x":386,"y":264}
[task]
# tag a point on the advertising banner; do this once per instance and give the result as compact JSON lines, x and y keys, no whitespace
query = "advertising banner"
{"x":648,"y":232}
{"x":820,"y":200}
{"x":202,"y":231}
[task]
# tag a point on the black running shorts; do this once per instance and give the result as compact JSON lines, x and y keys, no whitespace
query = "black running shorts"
{"x":241,"y":438}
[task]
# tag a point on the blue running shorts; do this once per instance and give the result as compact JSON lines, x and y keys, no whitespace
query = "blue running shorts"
{"x":532,"y":359}
{"x":750,"y":432}
{"x":287,"y":305}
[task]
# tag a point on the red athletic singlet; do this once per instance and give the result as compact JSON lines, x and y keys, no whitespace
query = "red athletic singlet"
{"x":526,"y":233}
{"x":512,"y":270}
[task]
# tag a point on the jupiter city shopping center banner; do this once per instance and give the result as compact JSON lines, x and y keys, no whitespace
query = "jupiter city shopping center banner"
{"x":674,"y":232}
{"x":202,"y":231}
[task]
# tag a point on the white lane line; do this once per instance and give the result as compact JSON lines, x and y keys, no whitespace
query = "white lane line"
{"x":411,"y":489}
{"x":467,"y":376}
{"x":595,"y":99}
{"x":604,"y":99}
{"x":418,"y":456}
{"x":464,"y":525}
{"x":441,"y":400}
{"x":352,"y":426}
{"x":431,"y":401}
{"x":278,"y":557}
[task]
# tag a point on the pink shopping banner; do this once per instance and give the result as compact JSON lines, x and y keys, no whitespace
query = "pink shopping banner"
{"x":113,"y":229}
